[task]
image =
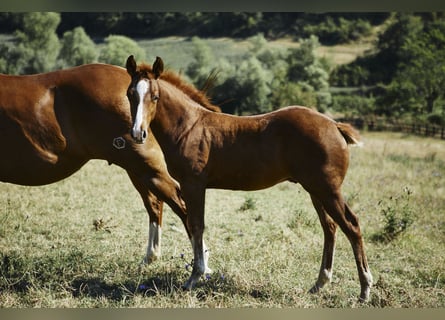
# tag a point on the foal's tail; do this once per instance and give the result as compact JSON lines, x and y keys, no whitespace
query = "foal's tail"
{"x":350,"y":134}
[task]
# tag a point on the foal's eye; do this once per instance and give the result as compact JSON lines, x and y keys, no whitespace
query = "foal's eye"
{"x":155,"y":98}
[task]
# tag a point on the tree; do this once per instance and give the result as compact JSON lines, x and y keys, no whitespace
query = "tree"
{"x":77,"y":48}
{"x":309,"y":71}
{"x":391,"y":43}
{"x":118,"y":48}
{"x":200,"y":68}
{"x":35,"y":47}
{"x":39,"y":42}
{"x":420,"y":76}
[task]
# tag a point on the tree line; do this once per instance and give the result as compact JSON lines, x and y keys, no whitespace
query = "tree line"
{"x":402,"y":76}
{"x":329,"y":27}
{"x":36,"y":47}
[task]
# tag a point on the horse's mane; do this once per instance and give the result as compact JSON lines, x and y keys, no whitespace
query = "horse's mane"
{"x":173,"y":78}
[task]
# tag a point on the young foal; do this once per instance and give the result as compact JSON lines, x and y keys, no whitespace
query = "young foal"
{"x":205,"y":149}
{"x":51,"y":124}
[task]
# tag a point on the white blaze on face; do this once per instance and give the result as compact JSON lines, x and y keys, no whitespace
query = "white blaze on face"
{"x":142,"y":88}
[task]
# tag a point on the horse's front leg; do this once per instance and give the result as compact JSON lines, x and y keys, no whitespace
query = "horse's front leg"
{"x":195,"y":198}
{"x":154,"y":209}
{"x":154,"y":230}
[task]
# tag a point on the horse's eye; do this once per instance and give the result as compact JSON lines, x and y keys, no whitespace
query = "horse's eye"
{"x":155,"y":98}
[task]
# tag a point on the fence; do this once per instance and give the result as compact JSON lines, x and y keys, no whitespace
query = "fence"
{"x":421,"y":129}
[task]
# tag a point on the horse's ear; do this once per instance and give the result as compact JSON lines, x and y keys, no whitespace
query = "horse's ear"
{"x":131,"y":65}
{"x":158,"y":67}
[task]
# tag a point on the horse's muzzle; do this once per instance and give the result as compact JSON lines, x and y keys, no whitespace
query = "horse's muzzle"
{"x":139,"y":136}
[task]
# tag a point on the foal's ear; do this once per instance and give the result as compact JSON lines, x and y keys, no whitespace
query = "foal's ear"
{"x":158,"y":67}
{"x":131,"y":65}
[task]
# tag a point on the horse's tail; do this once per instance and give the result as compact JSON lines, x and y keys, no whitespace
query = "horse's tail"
{"x":350,"y":134}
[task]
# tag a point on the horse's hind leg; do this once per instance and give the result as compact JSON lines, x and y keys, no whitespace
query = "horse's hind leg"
{"x":340,"y":212}
{"x":327,"y":261}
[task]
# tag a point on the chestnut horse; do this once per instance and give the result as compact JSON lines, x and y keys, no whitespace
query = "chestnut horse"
{"x":206,"y":149}
{"x":51,"y":124}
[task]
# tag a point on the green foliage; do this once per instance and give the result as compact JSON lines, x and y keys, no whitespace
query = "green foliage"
{"x":264,"y":79}
{"x":39,"y":42}
{"x":407,"y":68}
{"x":36,"y":45}
{"x":249,"y":204}
{"x":420,"y":78}
{"x":352,"y":105}
{"x":199,"y":68}
{"x":329,"y":27}
{"x":309,"y":72}
{"x":118,"y":48}
{"x":340,"y":30}
{"x":77,"y":48}
{"x":397,"y":215}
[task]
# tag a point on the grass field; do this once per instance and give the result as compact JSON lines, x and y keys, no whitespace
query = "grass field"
{"x":52,"y":255}
{"x":168,"y":49}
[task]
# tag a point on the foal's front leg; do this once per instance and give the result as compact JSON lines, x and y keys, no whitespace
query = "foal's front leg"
{"x":195,"y":200}
{"x":154,"y":230}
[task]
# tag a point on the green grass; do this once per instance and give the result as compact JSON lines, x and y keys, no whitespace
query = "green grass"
{"x":169,"y":47}
{"x":78,"y":243}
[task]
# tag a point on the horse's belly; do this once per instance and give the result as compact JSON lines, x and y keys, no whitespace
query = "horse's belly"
{"x":36,"y":173}
{"x":248,"y":177}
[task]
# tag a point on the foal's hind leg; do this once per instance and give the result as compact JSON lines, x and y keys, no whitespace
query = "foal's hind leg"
{"x":339,"y":211}
{"x":327,"y":261}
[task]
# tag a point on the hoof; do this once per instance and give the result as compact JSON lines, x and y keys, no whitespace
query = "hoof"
{"x":187,"y":286}
{"x":315,"y":289}
{"x":364,"y":296}
{"x":149,"y":259}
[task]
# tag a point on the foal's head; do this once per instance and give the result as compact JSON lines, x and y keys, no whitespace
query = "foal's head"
{"x":143,"y":94}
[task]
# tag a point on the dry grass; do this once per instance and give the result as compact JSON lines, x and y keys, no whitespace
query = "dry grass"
{"x":78,"y":243}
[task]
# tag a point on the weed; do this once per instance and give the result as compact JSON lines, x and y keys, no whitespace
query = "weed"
{"x":102,"y":224}
{"x":397,"y":215}
{"x":300,"y":219}
{"x":249,"y":204}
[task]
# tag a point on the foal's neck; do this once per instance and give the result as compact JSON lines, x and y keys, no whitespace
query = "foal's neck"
{"x":176,"y":113}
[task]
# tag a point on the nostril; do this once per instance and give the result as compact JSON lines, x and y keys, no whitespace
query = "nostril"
{"x":144,"y":134}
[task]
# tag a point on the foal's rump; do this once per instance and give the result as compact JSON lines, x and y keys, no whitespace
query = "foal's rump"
{"x":315,"y":146}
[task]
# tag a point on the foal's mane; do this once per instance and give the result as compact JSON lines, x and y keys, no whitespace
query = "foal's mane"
{"x":173,"y":78}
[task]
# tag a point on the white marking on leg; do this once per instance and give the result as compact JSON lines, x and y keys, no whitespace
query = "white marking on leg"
{"x":206,"y":259}
{"x":154,"y":243}
{"x":364,"y":295}
{"x":203,"y":264}
{"x":324,"y":277}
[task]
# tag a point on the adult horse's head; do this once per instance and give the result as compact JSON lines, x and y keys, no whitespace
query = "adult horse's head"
{"x":143,"y":94}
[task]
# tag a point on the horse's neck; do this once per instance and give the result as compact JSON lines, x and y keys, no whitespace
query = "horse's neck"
{"x":176,"y":114}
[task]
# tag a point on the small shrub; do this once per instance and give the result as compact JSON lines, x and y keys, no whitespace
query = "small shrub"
{"x":249,"y":204}
{"x":397,"y":215}
{"x":117,"y":48}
